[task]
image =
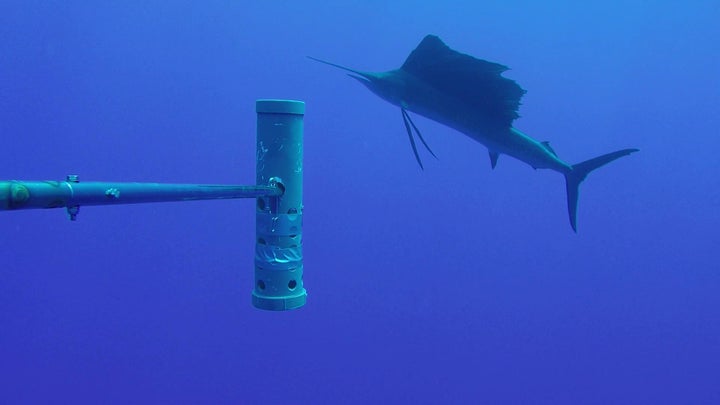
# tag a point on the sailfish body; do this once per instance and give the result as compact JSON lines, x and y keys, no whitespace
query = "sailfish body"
{"x":471,"y":96}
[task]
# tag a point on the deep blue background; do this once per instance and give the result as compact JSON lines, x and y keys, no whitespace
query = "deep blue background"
{"x":454,"y":285}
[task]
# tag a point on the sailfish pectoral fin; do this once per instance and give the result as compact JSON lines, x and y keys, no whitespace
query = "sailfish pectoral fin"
{"x":412,"y":140}
{"x":417,"y":131}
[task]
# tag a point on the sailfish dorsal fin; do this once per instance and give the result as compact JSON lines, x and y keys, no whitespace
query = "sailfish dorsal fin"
{"x":477,"y":82}
{"x":546,"y":145}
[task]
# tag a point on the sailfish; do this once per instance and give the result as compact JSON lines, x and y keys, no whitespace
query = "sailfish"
{"x":471,"y":96}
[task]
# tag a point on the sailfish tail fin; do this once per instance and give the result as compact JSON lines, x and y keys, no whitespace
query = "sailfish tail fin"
{"x":578,"y":173}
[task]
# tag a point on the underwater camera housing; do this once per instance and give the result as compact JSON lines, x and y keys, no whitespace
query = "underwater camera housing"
{"x":278,"y":193}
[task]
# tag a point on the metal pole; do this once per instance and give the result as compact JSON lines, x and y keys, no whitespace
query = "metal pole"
{"x":71,"y":194}
{"x":278,"y":243}
{"x":278,"y":190}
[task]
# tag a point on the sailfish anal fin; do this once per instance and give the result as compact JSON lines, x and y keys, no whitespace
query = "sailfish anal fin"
{"x":493,"y":158}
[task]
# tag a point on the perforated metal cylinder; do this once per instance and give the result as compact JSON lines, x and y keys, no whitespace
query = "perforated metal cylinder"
{"x":278,"y":243}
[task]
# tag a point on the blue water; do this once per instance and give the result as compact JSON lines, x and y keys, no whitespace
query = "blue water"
{"x":453,"y":285}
